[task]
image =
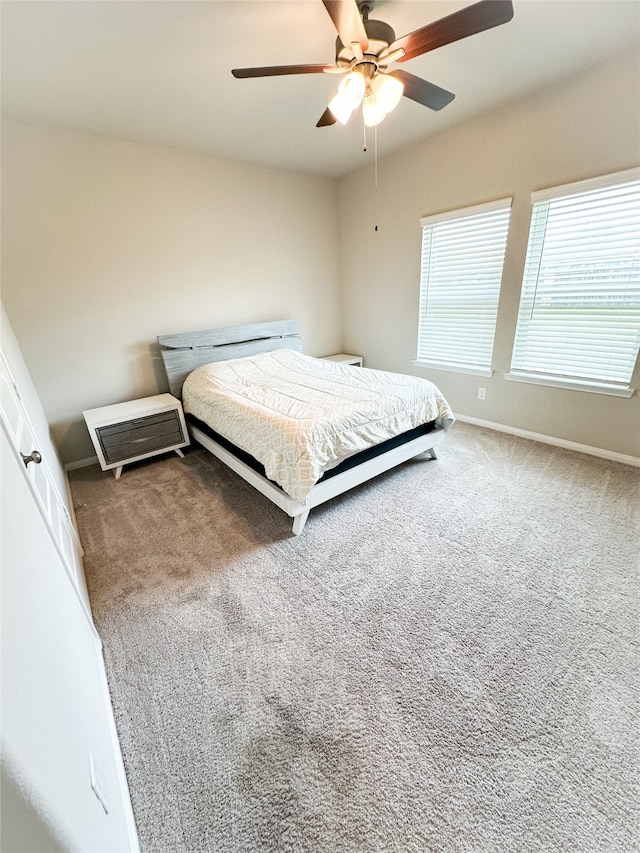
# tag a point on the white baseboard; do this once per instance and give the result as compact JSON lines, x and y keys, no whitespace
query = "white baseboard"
{"x":81,"y":463}
{"x":556,"y":442}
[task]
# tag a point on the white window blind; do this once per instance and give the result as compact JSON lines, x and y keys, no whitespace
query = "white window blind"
{"x":579,"y":317}
{"x":461,"y":271}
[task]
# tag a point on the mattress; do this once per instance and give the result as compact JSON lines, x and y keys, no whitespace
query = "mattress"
{"x":300,"y":416}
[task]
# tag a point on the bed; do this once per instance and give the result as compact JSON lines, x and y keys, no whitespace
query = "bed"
{"x":301,"y":430}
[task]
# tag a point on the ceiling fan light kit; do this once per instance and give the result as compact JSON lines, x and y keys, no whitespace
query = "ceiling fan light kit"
{"x":365,"y":49}
{"x":378,"y":96}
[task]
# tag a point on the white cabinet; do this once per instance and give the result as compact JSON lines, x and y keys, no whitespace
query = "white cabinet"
{"x":138,"y":429}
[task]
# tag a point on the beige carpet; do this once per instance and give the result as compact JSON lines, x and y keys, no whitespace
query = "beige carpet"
{"x":446,"y":661}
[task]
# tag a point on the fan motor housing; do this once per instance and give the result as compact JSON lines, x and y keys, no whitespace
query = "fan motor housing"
{"x":380,"y":36}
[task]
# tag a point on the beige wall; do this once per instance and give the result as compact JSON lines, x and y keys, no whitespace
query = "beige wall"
{"x":588,"y":126}
{"x":107,"y":244}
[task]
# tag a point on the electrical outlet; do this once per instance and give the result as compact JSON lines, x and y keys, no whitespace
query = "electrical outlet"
{"x":99,"y":784}
{"x":482,"y":393}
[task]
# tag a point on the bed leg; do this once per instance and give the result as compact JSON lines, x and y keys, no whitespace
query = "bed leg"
{"x":299,"y":522}
{"x":433,"y":453}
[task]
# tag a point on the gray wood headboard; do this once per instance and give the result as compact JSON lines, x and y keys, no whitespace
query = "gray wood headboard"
{"x":184,"y":351}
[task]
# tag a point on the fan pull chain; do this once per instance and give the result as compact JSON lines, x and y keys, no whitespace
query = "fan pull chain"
{"x":375,"y":164}
{"x":375,"y":171}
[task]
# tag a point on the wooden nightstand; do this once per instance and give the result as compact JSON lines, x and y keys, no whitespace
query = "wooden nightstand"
{"x":344,"y":358}
{"x":128,"y":432}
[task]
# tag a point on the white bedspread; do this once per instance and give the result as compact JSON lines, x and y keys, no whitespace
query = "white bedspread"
{"x":300,"y":416}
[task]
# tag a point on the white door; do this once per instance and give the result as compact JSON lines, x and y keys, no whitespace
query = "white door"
{"x":57,"y":722}
{"x":22,"y":437}
{"x":63,"y":780}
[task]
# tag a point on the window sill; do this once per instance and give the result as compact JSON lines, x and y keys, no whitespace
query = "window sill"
{"x":571,"y":384}
{"x":454,"y":368}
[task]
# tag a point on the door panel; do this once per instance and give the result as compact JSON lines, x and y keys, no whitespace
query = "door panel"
{"x":23,"y":438}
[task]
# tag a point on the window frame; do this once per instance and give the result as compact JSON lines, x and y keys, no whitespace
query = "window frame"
{"x":533,"y":259}
{"x":502,"y":205}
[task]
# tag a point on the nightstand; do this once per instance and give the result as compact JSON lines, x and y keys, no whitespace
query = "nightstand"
{"x":343,"y":358}
{"x":128,"y":432}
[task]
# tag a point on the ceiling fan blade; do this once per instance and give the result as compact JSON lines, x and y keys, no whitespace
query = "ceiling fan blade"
{"x":276,"y":70}
{"x":347,"y":21}
{"x":425,"y":93}
{"x":327,"y":118}
{"x":466,"y":22}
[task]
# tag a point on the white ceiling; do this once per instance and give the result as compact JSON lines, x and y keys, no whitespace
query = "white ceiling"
{"x":159,"y":71}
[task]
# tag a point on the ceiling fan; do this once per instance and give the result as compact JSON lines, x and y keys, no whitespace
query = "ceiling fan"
{"x":365,"y":50}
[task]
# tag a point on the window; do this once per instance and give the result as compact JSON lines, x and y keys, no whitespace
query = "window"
{"x":462,"y":259}
{"x":579,"y":318}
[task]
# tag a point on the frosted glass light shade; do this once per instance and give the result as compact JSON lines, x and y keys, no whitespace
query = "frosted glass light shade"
{"x":388,"y":91}
{"x":352,"y":88}
{"x":341,"y":108}
{"x":372,"y":111}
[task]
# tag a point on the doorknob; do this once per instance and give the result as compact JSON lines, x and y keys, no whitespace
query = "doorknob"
{"x":34,"y":456}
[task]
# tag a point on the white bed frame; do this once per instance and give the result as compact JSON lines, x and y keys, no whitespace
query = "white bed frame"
{"x":183,"y":352}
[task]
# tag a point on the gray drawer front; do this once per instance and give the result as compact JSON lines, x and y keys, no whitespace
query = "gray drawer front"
{"x":146,"y":423}
{"x":141,"y":435}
